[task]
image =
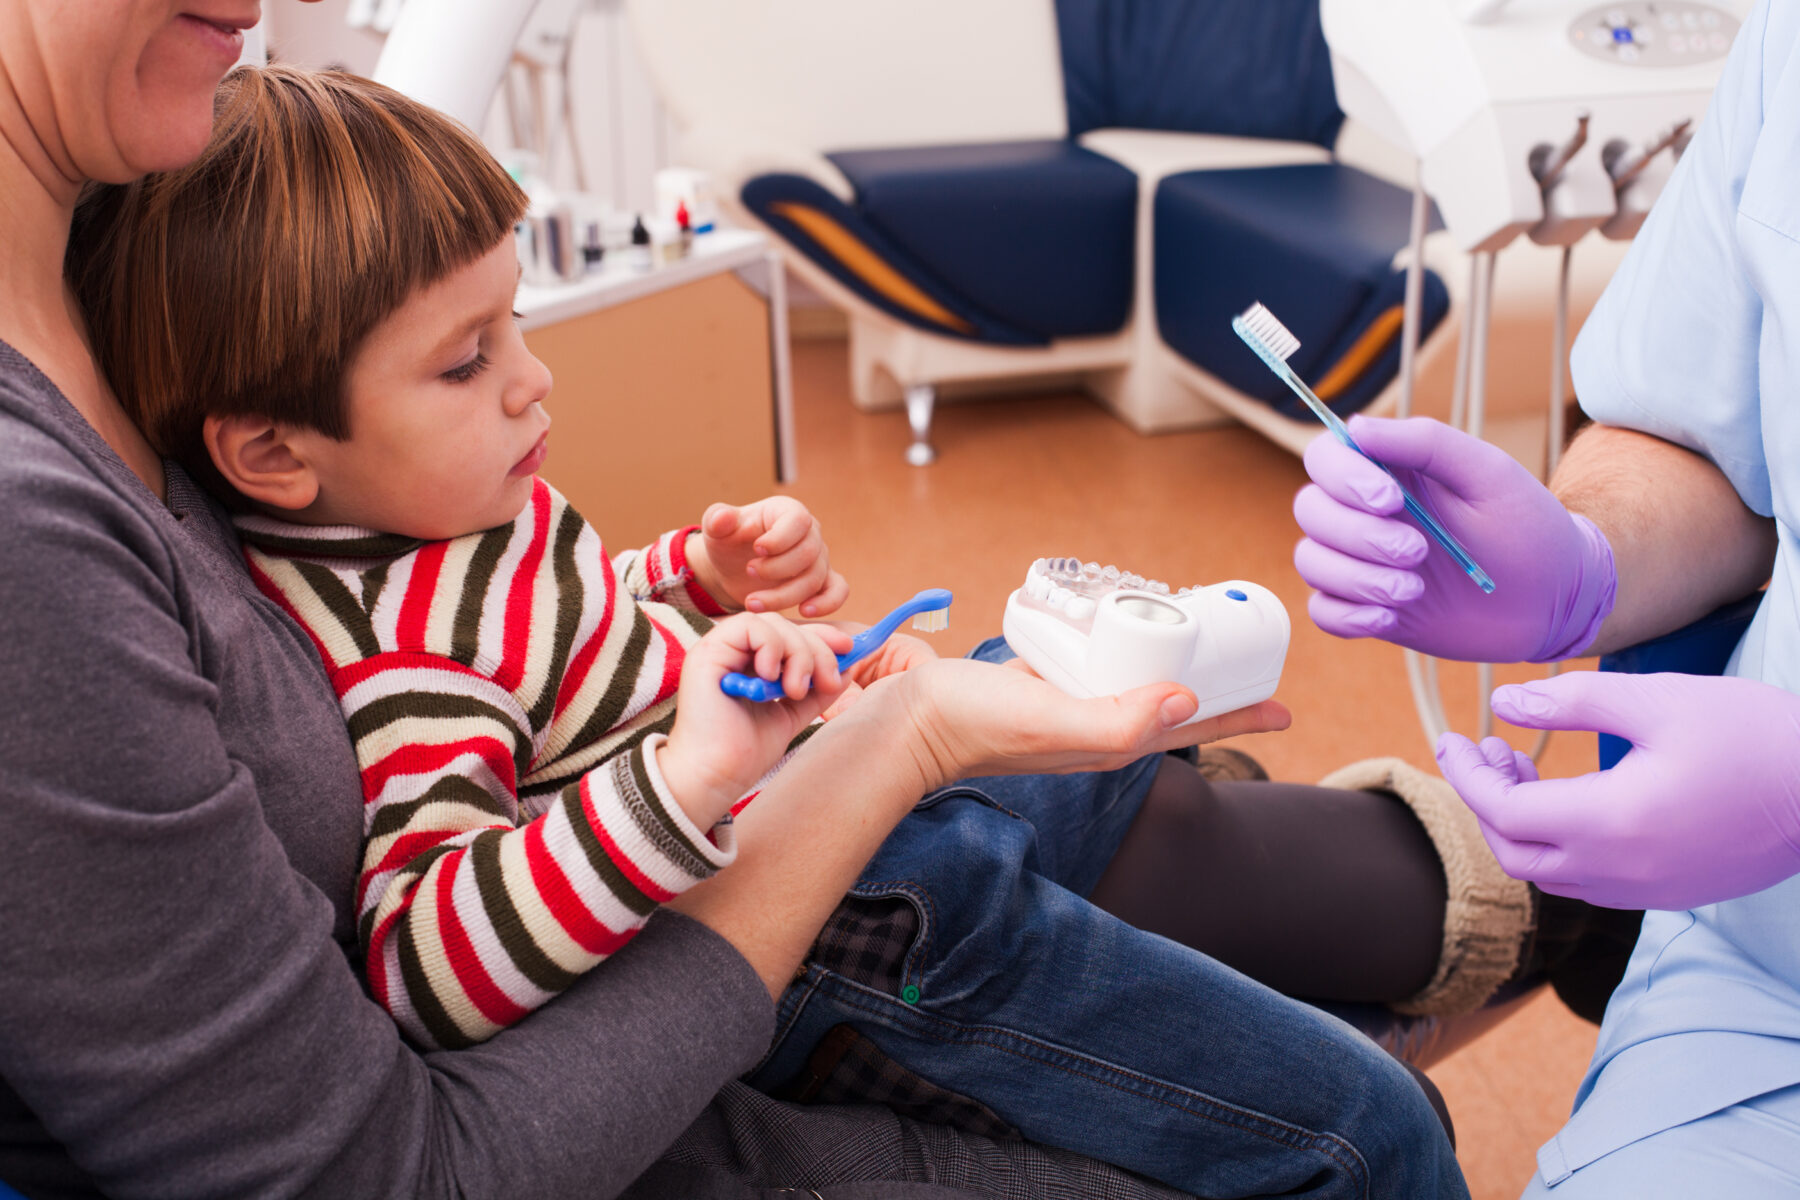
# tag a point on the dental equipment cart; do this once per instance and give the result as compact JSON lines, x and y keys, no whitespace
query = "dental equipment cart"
{"x":1548,"y":118}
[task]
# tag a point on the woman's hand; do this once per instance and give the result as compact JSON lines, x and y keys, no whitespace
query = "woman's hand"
{"x":975,"y":718}
{"x":766,"y":556}
{"x":721,"y":746}
{"x":900,"y":653}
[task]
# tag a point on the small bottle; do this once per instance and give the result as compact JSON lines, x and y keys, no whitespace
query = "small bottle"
{"x":593,"y":249}
{"x":640,"y":244}
{"x":684,"y":222}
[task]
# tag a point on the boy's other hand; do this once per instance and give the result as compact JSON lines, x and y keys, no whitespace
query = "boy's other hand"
{"x":720,"y":745}
{"x":766,"y":556}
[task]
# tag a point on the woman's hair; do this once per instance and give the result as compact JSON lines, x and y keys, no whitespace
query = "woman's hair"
{"x":245,"y":282}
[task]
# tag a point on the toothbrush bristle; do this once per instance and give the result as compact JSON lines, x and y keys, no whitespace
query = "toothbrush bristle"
{"x":1270,"y":332}
{"x":935,"y":621}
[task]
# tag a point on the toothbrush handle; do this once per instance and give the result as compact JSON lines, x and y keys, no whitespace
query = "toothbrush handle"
{"x":755,"y":687}
{"x":752,"y":687}
{"x":1432,"y":526}
{"x":1446,"y":539}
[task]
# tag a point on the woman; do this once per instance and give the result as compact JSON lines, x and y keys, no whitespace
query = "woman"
{"x":178,"y":1014}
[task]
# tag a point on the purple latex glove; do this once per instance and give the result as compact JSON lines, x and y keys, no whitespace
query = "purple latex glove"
{"x":1705,"y":807}
{"x":1376,"y":574}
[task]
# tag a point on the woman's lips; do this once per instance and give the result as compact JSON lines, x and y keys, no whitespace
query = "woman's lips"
{"x":225,"y":40}
{"x":534,"y":458}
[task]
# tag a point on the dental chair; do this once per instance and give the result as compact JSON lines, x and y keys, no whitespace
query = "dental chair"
{"x":1022,"y":192}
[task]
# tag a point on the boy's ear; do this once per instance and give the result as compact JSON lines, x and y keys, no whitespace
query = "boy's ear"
{"x":257,"y":457}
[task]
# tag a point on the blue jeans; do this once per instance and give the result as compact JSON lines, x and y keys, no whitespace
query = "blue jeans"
{"x":1086,"y":1033}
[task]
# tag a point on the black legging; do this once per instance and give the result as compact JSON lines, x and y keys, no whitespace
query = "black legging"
{"x":1325,"y":894}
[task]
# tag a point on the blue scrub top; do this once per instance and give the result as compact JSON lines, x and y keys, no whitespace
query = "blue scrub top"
{"x":1697,"y":341}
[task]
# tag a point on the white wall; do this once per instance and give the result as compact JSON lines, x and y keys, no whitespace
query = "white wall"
{"x":625,"y":136}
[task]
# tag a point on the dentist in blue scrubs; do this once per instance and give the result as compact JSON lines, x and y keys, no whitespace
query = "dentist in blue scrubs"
{"x":1682,"y":497}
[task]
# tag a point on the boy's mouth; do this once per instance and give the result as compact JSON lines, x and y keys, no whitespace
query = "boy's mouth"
{"x":534,"y":458}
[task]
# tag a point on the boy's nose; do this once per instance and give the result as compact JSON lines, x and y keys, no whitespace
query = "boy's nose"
{"x":532,"y":386}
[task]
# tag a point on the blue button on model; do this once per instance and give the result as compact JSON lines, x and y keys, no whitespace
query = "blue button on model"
{"x":1622,"y":35}
{"x":1234,"y":594}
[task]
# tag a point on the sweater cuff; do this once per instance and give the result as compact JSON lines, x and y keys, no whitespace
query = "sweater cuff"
{"x":699,"y":597}
{"x":645,"y":832}
{"x":719,"y":843}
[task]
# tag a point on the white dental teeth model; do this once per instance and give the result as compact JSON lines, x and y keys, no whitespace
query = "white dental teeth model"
{"x":1098,"y":631}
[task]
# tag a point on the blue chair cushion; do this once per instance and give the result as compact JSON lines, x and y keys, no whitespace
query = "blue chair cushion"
{"x":1039,"y":234}
{"x":1313,"y":242}
{"x":1252,"y":68}
{"x":840,"y":240}
{"x":1702,"y":648}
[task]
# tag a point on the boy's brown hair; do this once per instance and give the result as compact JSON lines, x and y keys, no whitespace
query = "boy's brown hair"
{"x":245,"y":282}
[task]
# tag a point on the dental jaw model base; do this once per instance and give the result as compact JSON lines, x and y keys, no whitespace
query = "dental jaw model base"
{"x":1098,"y":631}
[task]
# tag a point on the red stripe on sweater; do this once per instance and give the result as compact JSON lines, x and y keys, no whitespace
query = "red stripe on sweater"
{"x":425,"y":760}
{"x":678,"y":555}
{"x":674,"y":654}
{"x":465,"y":961}
{"x":415,"y":609}
{"x":653,"y":568}
{"x":620,"y":859}
{"x":584,"y":656}
{"x":409,"y":846}
{"x":515,"y":637}
{"x":268,"y":588}
{"x":398,"y":660}
{"x":565,"y":904}
{"x":375,"y":962}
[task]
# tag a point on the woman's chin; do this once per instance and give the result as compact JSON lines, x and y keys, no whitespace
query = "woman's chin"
{"x":165,"y":120}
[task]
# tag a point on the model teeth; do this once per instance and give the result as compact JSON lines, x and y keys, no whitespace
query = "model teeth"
{"x":1073,"y":588}
{"x":1071,"y":576}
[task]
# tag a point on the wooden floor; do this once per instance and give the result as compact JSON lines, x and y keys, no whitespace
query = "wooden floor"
{"x":1022,"y":478}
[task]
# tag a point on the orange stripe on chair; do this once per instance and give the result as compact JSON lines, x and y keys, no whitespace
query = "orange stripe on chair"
{"x":867,"y":265}
{"x":1363,"y":354}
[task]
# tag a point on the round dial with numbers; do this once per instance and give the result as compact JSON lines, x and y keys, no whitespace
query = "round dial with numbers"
{"x":1654,"y":33}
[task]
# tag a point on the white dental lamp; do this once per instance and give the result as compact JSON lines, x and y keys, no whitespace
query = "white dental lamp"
{"x":455,"y":54}
{"x":452,"y":54}
{"x":1548,"y":118}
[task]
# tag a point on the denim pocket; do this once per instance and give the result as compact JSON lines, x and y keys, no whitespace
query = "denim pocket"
{"x":963,"y":791}
{"x":846,"y":1067}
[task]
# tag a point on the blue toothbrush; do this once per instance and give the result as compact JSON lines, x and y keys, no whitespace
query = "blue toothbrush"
{"x":1275,"y":345}
{"x":929,"y":611}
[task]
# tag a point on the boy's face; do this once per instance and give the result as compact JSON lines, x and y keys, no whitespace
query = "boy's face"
{"x":447,"y":423}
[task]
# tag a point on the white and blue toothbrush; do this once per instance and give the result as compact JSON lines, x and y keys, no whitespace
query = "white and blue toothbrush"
{"x":929,"y":610}
{"x":1263,"y":333}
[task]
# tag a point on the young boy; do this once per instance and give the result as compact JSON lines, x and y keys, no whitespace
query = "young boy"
{"x":367,"y":403}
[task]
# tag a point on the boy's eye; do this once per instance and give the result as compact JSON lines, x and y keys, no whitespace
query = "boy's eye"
{"x":468,"y":370}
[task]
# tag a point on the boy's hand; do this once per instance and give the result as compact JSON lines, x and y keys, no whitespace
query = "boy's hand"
{"x":720,"y":746}
{"x":766,"y":556}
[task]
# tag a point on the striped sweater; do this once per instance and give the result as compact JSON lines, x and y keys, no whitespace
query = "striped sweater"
{"x":506,"y":692}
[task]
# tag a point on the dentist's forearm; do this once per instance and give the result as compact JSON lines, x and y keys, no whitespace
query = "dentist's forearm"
{"x":1682,"y":541}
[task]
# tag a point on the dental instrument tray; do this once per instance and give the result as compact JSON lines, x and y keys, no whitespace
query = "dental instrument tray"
{"x":1097,"y":631}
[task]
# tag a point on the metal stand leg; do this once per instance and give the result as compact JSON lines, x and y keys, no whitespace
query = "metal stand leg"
{"x":920,"y":398}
